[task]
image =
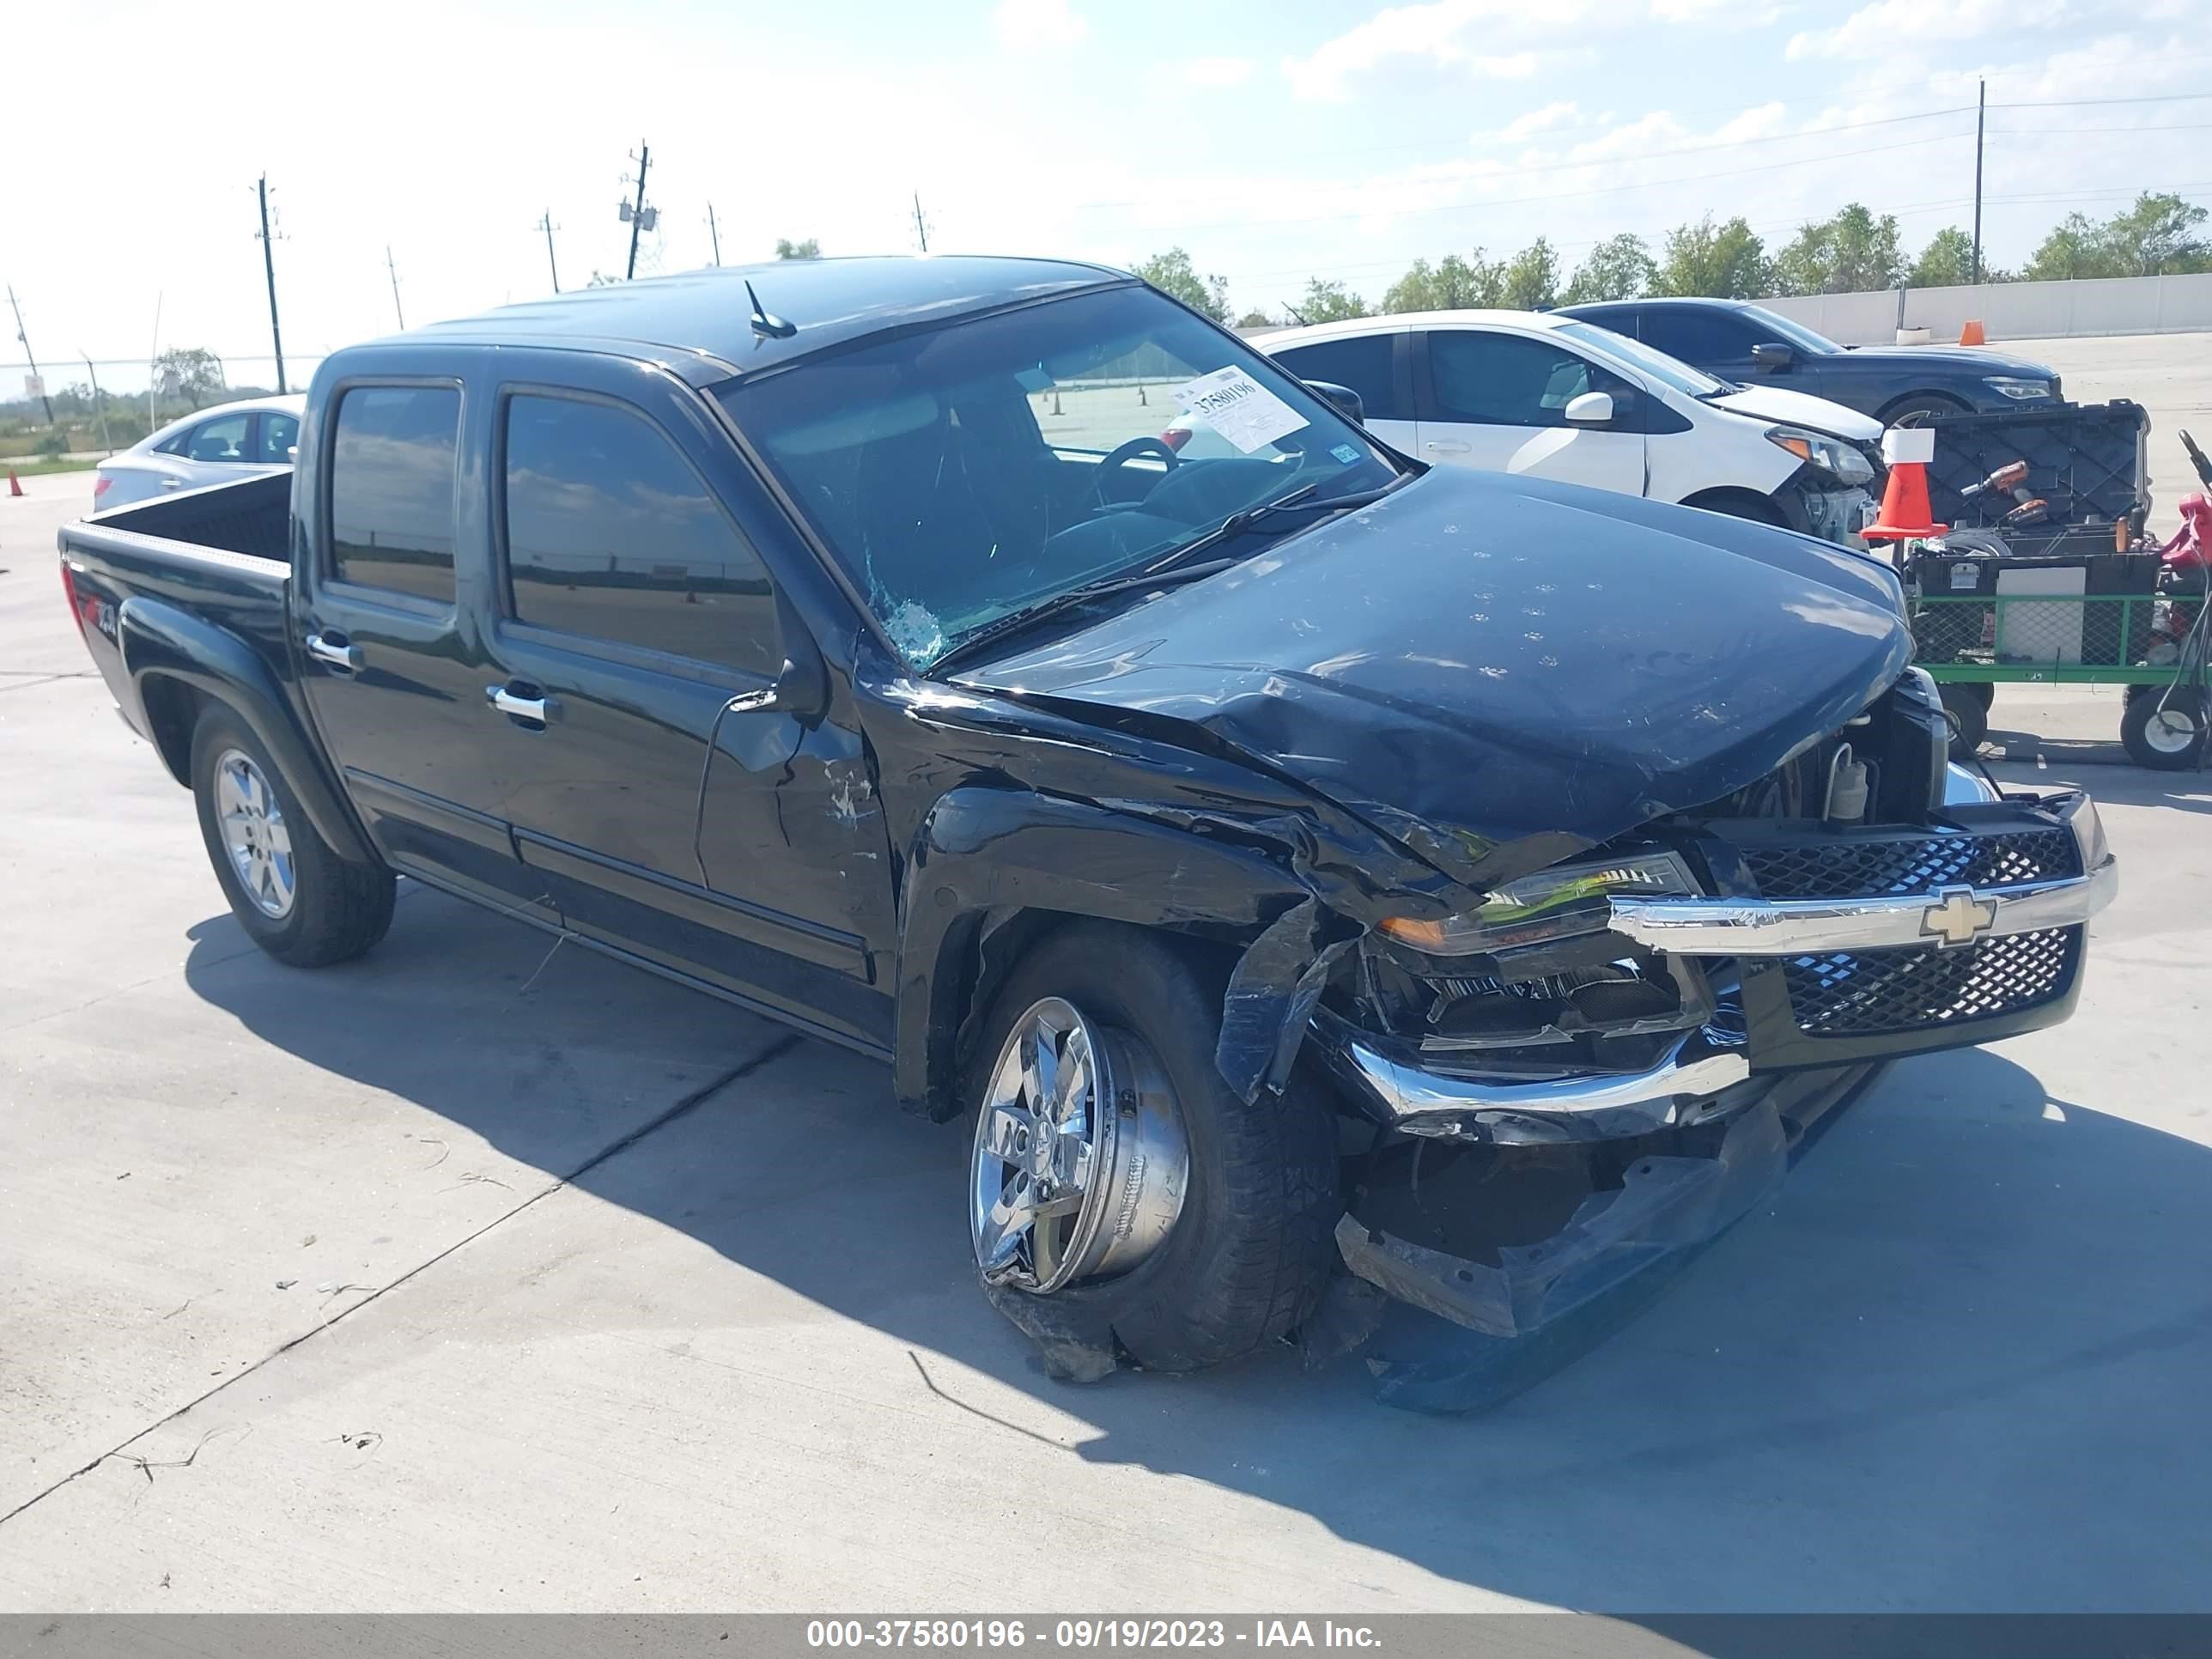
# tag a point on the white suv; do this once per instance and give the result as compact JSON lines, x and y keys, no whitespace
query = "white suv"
{"x":1554,"y":398}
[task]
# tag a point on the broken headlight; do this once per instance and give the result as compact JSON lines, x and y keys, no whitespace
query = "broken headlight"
{"x":1561,"y":902}
{"x":1839,"y":460}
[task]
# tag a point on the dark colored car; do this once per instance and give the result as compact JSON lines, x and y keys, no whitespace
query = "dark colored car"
{"x":1736,"y":340}
{"x":1214,"y":835}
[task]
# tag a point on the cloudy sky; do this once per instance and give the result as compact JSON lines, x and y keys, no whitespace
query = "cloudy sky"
{"x":1276,"y":141}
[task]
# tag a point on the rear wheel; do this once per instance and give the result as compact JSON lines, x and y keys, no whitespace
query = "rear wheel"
{"x":297,"y":898}
{"x":2164,"y":728}
{"x":1123,"y":1200}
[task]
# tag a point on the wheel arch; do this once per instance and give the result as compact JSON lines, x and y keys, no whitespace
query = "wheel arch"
{"x":993,"y":870}
{"x":1925,"y":395}
{"x":179,"y":664}
{"x":1739,"y":501}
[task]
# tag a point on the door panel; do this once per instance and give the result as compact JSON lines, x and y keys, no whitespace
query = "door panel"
{"x":1498,"y":401}
{"x":393,"y":679}
{"x":636,"y":610}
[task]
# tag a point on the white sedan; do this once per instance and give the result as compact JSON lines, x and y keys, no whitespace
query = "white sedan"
{"x":1553,"y":396}
{"x":207,"y":446}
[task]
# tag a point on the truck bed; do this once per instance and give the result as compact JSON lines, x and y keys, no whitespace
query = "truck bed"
{"x":219,"y":553}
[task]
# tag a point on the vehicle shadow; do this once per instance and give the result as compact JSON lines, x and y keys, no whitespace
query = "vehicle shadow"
{"x":1956,"y":1364}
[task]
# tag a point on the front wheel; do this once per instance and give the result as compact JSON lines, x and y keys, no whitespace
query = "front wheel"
{"x":1123,"y":1200}
{"x":2164,"y":728}
{"x":291,"y":893}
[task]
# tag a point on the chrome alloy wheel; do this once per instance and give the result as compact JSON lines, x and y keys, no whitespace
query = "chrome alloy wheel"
{"x":255,"y":833}
{"x":1080,"y":1162}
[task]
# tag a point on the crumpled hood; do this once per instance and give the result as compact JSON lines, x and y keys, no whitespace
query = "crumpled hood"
{"x":1497,"y":671}
{"x":1774,"y":402}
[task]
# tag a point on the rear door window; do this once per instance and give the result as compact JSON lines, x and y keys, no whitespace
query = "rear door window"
{"x":223,"y":438}
{"x":1365,"y":362}
{"x":391,"y":489}
{"x":612,"y":535}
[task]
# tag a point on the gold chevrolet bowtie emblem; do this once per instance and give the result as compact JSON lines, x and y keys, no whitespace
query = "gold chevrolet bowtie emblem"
{"x":1958,"y":917}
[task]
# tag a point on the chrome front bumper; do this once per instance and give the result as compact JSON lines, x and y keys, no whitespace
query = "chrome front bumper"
{"x":1950,"y":916}
{"x":1385,"y":1078}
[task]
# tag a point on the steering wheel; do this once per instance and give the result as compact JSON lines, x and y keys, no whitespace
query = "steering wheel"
{"x":1122,"y":454}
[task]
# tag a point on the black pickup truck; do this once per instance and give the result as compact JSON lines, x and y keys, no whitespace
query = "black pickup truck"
{"x":1214,"y":835}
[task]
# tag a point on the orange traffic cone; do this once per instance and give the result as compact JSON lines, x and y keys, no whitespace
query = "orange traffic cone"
{"x":1908,"y":449}
{"x":1972,"y":335}
{"x":15,"y":484}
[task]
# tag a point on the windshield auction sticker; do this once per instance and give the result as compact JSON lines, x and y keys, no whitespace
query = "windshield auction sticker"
{"x":1238,"y":407}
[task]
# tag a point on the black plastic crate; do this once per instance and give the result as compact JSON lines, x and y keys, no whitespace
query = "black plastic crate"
{"x":2089,"y":460}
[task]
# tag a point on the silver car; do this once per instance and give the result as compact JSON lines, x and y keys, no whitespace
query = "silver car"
{"x":207,"y":446}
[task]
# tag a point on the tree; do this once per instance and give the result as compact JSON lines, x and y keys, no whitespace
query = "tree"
{"x":1452,"y":284}
{"x":2158,"y":236}
{"x":1853,"y":252}
{"x":194,"y":374}
{"x":1255,"y":319}
{"x":1724,"y":262}
{"x":1328,"y":303}
{"x":1531,"y":277}
{"x":787,"y":249}
{"x":1948,"y":261}
{"x":1173,"y":273}
{"x":2074,"y":248}
{"x":1619,"y":268}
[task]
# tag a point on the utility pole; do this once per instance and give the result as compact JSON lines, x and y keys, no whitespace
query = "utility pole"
{"x":1981,"y":110}
{"x":269,"y":265}
{"x":636,"y":215}
{"x":714,"y":234}
{"x":920,"y":224}
{"x":547,"y":225}
{"x":394,"y":270}
{"x":98,"y":403}
{"x":28,"y":357}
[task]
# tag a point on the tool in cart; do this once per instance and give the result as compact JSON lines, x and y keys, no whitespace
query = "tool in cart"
{"x":2011,"y":479}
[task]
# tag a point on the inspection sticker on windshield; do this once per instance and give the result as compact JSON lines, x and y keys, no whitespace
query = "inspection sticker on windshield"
{"x":1238,"y":407}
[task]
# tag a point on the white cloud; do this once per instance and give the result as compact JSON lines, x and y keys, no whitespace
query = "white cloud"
{"x":1218,"y":71}
{"x":1888,"y":24}
{"x":1537,"y":121}
{"x":1430,"y":31}
{"x":1517,"y":66}
{"x":1038,"y":25}
{"x":1730,"y":14}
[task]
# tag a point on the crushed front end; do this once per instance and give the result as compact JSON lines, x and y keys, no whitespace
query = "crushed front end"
{"x":1656,"y":1022}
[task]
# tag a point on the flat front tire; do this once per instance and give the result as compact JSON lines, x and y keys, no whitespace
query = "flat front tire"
{"x":1123,"y":1199}
{"x":291,"y":892}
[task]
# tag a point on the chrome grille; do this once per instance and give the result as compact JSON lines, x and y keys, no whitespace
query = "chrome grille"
{"x":1865,"y":993}
{"x":1872,"y":866}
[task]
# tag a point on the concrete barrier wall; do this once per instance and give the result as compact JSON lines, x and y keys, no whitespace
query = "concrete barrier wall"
{"x":2012,"y":311}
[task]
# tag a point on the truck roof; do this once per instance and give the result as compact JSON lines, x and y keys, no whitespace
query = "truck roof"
{"x":704,"y":317}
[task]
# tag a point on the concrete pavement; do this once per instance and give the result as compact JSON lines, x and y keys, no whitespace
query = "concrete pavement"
{"x":468,"y":1277}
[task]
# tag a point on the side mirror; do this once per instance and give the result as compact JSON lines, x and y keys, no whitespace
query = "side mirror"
{"x":292,"y":454}
{"x":1342,"y":398}
{"x":1590,"y":409}
{"x":1772,"y":356}
{"x":801,"y":686}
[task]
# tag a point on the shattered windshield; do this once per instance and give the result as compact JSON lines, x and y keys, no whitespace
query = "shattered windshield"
{"x":968,"y":472}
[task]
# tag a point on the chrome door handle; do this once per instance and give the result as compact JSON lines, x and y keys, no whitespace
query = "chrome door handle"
{"x":1445,"y":449}
{"x":173,"y":483}
{"x":333,"y":652}
{"x":528,"y":708}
